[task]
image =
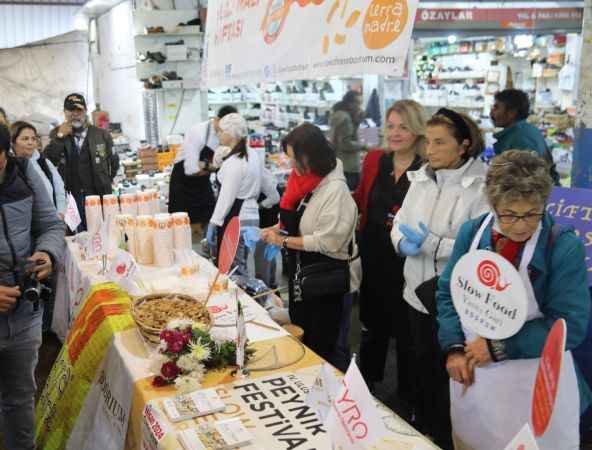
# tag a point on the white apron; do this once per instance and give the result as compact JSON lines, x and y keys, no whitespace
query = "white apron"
{"x":494,"y":409}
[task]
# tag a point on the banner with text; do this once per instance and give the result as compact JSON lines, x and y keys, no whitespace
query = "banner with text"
{"x":252,"y":41}
{"x":574,"y":207}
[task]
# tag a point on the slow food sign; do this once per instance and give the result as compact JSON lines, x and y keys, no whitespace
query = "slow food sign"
{"x":488,"y":295}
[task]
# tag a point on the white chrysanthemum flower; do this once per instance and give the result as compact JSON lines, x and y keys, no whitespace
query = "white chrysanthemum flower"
{"x":156,"y":363}
{"x":186,"y":385}
{"x":199,"y":350}
{"x":199,"y":372}
{"x":188,"y":363}
{"x":179,"y":324}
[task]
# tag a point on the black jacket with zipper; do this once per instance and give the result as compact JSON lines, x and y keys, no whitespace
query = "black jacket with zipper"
{"x":103,"y":162}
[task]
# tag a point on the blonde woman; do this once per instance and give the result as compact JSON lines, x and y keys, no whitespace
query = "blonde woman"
{"x":384,"y":184}
{"x":444,"y":193}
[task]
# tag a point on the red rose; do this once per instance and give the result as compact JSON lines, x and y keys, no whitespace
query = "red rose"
{"x":120,"y":269}
{"x":159,"y":381}
{"x":177,"y":345}
{"x":170,"y":370}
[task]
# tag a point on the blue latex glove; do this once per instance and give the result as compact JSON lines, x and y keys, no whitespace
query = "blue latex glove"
{"x":251,"y":235}
{"x":414,"y":236}
{"x":408,"y":248}
{"x":211,"y":234}
{"x":271,"y":252}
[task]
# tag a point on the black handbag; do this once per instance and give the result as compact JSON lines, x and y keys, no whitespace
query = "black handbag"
{"x":426,"y":292}
{"x":322,"y":279}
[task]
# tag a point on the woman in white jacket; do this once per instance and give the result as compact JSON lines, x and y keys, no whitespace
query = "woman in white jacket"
{"x":240,"y":177}
{"x":444,"y":193}
{"x":25,"y":142}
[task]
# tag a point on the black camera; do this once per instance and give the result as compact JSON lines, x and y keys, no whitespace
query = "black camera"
{"x":31,"y":288}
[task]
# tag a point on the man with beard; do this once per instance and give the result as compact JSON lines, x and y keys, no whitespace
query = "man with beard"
{"x":83,"y":154}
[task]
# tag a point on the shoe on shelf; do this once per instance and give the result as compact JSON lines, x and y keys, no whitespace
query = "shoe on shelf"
{"x":171,"y":76}
{"x":154,"y":30}
{"x":157,"y":57}
{"x":190,"y":23}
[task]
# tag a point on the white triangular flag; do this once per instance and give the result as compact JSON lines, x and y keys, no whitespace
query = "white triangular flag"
{"x":125,"y":272}
{"x":98,"y":241}
{"x":354,"y":420}
{"x":241,"y":335}
{"x":323,"y":392}
{"x":72,"y":216}
{"x":524,"y":440}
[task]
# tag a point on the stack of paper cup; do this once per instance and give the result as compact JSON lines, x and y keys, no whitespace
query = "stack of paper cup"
{"x":110,"y":206}
{"x":145,"y":203}
{"x":154,"y":196}
{"x":92,"y":209}
{"x":145,"y":240}
{"x":163,"y":240}
{"x":128,"y":204}
{"x":181,"y":231}
{"x":131,"y":231}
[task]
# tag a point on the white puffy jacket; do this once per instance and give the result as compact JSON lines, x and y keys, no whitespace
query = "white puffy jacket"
{"x":443,"y":200}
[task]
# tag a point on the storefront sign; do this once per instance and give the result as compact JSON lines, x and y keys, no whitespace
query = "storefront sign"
{"x":547,"y":379}
{"x":489,"y":18}
{"x":251,"y":41}
{"x":488,"y":295}
{"x":573,"y":207}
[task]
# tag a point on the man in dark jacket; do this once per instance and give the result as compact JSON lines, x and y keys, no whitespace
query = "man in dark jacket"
{"x":82,"y":153}
{"x":31,"y":240}
{"x":510,"y":111}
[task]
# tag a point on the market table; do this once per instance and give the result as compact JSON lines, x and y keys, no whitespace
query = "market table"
{"x":99,"y":391}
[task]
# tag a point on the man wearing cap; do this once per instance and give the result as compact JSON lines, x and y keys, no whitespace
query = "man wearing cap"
{"x":82,"y":153}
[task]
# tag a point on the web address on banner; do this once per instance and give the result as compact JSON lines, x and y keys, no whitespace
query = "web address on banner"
{"x":369,"y":59}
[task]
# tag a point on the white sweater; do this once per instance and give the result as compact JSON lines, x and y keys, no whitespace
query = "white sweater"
{"x":240,"y":179}
{"x":443,"y":203}
{"x":329,"y":220}
{"x":58,"y":183}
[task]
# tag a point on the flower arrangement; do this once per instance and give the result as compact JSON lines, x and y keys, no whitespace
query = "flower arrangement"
{"x":186,"y":352}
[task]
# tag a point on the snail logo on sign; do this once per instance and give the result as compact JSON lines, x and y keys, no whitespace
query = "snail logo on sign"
{"x":490,"y":300}
{"x":489,"y":275}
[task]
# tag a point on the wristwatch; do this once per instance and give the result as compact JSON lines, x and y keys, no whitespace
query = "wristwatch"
{"x":497,"y":349}
{"x":285,"y":243}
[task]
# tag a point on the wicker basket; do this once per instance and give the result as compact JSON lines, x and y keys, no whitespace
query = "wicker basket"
{"x":152,"y":333}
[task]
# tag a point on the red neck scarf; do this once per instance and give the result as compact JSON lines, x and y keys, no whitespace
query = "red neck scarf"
{"x":298,"y":187}
{"x":506,"y":247}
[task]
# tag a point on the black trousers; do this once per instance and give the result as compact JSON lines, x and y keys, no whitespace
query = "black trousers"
{"x":320,"y":318}
{"x":433,"y":405}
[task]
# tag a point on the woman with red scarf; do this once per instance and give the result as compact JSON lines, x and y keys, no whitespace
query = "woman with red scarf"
{"x":317,"y":224}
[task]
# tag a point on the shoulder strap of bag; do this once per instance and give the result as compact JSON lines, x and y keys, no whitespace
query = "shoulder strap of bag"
{"x":350,"y":249}
{"x":42,"y":161}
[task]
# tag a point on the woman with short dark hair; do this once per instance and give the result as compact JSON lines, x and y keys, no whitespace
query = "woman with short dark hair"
{"x":491,"y":381}
{"x":317,"y":223}
{"x":444,"y":193}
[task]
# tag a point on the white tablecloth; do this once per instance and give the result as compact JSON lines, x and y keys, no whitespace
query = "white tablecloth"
{"x":77,"y":276}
